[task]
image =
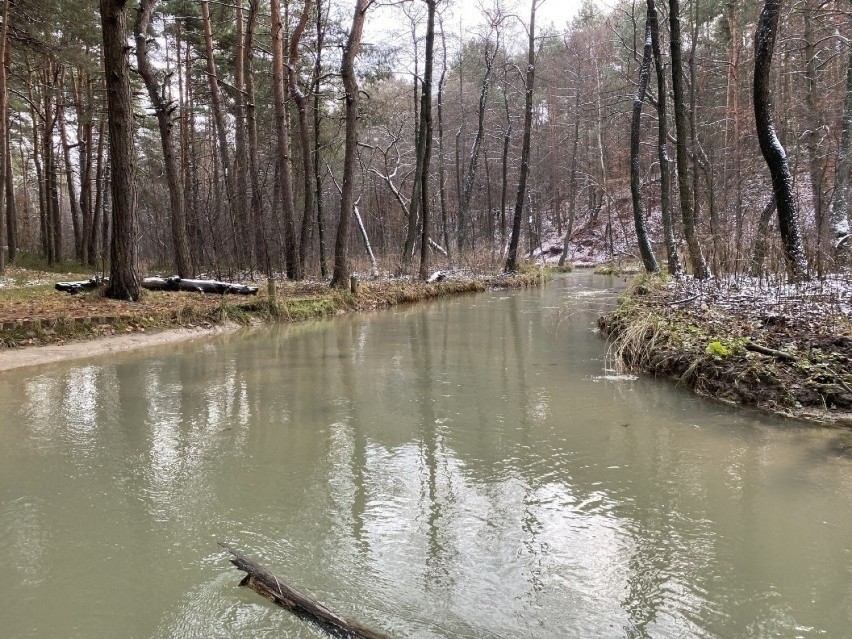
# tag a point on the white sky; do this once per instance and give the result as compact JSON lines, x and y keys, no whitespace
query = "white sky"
{"x":387,"y":18}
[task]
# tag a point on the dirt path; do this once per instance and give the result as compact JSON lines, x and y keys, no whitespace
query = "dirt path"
{"x":37,"y":355}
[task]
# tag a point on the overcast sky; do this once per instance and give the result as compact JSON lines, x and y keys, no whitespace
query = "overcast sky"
{"x":386,"y":19}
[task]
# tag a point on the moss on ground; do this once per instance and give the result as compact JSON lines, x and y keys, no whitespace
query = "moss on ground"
{"x":710,"y":344}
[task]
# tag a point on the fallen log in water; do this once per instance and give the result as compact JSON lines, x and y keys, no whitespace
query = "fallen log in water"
{"x":268,"y":585}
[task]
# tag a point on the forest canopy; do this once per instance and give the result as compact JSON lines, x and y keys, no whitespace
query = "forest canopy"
{"x":313,"y":138}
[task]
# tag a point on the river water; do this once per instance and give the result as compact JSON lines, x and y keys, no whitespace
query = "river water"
{"x":463,"y":468}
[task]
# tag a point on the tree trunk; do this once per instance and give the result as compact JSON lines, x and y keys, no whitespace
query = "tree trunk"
{"x":219,"y":125}
{"x":814,"y":127}
{"x":426,"y":136}
{"x":699,"y":265}
{"x":442,"y":173}
{"x":645,"y":250}
{"x":316,"y":82}
{"x":758,"y":255}
{"x":92,"y":257}
{"x":283,"y":159}
{"x":770,"y":145}
{"x":304,"y":133}
{"x":163,"y":110}
{"x":840,"y":211}
{"x":512,"y":257}
{"x":244,"y":225}
{"x":672,"y":258}
{"x":261,"y":242}
{"x":4,"y":134}
{"x":473,"y":161}
{"x":124,"y":281}
{"x":340,"y":277}
{"x":69,"y":173}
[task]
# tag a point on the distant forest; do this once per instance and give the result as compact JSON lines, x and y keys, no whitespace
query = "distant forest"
{"x":272,"y":137}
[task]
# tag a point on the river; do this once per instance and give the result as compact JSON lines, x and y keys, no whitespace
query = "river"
{"x":462,"y":468}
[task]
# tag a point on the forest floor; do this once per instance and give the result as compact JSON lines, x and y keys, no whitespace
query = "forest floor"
{"x":783,"y":348}
{"x":33,"y":313}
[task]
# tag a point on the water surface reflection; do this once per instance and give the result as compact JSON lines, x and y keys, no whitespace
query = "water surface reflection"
{"x":457,"y":469}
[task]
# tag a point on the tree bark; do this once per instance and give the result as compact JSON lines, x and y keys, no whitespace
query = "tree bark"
{"x":163,"y":110}
{"x":316,"y":82}
{"x":672,"y":259}
{"x":645,"y":250}
{"x":770,"y":145}
{"x":304,"y":133}
{"x":283,"y":159}
{"x":426,"y":137}
{"x":240,"y":156}
{"x":512,"y":257}
{"x":840,"y":209}
{"x":473,"y":161}
{"x":4,"y":134}
{"x":125,"y":282}
{"x":699,"y":265}
{"x":219,"y":123}
{"x":340,"y":277}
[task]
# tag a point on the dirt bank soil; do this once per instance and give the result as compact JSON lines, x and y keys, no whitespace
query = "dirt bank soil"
{"x":32,"y":313}
{"x":783,"y":348}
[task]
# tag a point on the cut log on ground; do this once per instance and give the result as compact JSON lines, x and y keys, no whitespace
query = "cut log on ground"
{"x":82,"y":285}
{"x":268,"y":585}
{"x":164,"y":284}
{"x":198,"y":286}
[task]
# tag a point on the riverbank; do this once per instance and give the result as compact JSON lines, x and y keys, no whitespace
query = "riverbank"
{"x":782,"y":348}
{"x":39,"y":324}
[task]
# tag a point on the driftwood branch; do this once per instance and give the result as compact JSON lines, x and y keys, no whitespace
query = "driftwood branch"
{"x":268,"y":585}
{"x":763,"y":350}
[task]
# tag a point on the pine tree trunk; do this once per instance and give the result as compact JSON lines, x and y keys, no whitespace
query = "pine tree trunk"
{"x":124,"y":280}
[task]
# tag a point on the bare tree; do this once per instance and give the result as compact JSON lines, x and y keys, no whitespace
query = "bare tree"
{"x":771,"y":147}
{"x":840,"y":209}
{"x":340,"y":275}
{"x":699,"y":265}
{"x":673,"y":260}
{"x":648,"y":259}
{"x":304,"y":132}
{"x":163,"y":110}
{"x":512,"y":257}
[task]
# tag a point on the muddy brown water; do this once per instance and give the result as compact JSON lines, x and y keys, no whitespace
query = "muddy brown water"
{"x":464,"y":468}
